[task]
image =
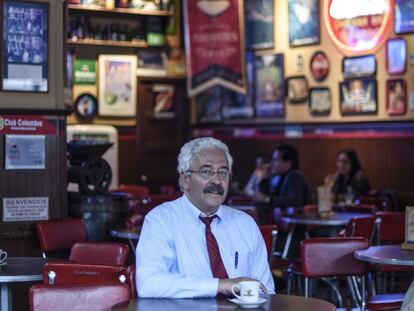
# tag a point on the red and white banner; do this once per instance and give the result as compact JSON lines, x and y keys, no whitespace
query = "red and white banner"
{"x":214,"y":33}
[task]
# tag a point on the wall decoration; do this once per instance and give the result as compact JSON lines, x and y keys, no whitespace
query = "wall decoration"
{"x":359,"y":66}
{"x":86,"y":106}
{"x":320,"y":101}
{"x":163,"y":101}
{"x":404,"y":16}
{"x":299,"y":62}
{"x":358,"y":96}
{"x":85,"y":71}
{"x":396,"y":97}
{"x":319,"y":66}
{"x":304,"y":28}
{"x":297,"y":89}
{"x":358,"y":26}
{"x":117,"y":85}
{"x":209,"y":105}
{"x":269,"y":92}
{"x":396,"y":56}
{"x":259,"y":24}
{"x":25,"y":46}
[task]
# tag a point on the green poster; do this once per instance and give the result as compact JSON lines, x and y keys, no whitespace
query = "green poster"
{"x":85,"y":71}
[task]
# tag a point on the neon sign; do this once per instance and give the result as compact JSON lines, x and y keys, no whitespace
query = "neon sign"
{"x":358,"y":26}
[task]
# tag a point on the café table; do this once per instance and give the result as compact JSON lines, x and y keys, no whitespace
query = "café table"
{"x":18,"y":269}
{"x":274,"y":302}
{"x":132,"y":234}
{"x":387,"y":255}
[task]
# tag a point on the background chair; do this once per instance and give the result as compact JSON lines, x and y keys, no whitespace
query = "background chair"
{"x":103,"y":253}
{"x":361,"y":208}
{"x":269,"y":233}
{"x":56,"y":236}
{"x":131,"y":280}
{"x":77,"y":297}
{"x":381,"y":202}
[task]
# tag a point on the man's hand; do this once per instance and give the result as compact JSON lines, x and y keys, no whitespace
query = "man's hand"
{"x":225,"y":285}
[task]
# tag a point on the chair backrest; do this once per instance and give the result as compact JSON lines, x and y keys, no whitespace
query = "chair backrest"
{"x":391,"y":228}
{"x":101,"y":253}
{"x":324,"y":257}
{"x":269,"y":233}
{"x":363,"y":226}
{"x":65,"y":272}
{"x":135,"y":190}
{"x":381,"y":202}
{"x":77,"y":297}
{"x":60,"y":235}
{"x":131,"y":280}
{"x":361,"y":208}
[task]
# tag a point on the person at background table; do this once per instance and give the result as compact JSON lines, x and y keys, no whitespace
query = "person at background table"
{"x":260,"y":172}
{"x":172,"y":257}
{"x":286,"y":186}
{"x":349,"y":181}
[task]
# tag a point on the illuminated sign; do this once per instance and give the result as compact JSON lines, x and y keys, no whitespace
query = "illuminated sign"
{"x":358,"y":26}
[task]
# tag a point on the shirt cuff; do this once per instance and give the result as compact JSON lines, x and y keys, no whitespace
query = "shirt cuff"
{"x":209,"y":287}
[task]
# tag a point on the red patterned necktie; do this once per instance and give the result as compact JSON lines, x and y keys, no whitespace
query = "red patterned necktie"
{"x":216,"y":264}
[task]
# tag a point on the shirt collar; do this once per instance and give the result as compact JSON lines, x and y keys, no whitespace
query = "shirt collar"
{"x":195,"y":213}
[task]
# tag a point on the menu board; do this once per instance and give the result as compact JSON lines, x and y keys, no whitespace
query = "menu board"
{"x":25,"y":46}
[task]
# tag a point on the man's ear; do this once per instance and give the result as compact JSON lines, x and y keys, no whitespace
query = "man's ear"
{"x":184,"y":178}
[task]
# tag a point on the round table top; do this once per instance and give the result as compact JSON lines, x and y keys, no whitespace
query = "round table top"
{"x":126,"y":233}
{"x":22,"y":269}
{"x":386,"y":254}
{"x":335,"y":219}
{"x":274,"y":302}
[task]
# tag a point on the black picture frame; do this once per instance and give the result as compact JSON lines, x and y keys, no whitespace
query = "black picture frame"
{"x":319,"y":66}
{"x":320,"y":101}
{"x":359,"y":66}
{"x":396,"y":56}
{"x":86,"y":106}
{"x":396,"y":103}
{"x":297,"y":89}
{"x":25,"y":46}
{"x":259,"y":24}
{"x":358,"y":96}
{"x":403,"y":16}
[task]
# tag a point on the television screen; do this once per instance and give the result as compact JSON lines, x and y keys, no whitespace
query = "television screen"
{"x":25,"y":46}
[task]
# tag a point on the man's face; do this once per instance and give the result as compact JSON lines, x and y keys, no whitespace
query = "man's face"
{"x":278,"y":165}
{"x":207,"y":193}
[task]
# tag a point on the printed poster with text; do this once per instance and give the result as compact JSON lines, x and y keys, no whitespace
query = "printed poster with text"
{"x":214,"y":44}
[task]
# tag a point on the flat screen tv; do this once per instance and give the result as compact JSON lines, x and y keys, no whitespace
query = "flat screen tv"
{"x":25,"y":46}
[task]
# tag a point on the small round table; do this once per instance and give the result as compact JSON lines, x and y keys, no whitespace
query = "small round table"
{"x":274,"y":302}
{"x":19,"y":269}
{"x":127,"y":233}
{"x":387,"y":255}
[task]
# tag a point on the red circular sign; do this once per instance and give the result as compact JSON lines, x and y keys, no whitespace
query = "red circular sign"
{"x":319,"y":66}
{"x":358,"y":26}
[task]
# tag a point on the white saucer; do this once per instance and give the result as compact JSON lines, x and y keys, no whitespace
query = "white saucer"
{"x":248,"y":305}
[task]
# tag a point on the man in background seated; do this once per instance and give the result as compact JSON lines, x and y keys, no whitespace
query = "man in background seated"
{"x":180,"y":254}
{"x":260,"y":172}
{"x":286,"y":187}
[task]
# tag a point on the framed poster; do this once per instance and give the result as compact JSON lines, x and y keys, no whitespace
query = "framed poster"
{"x":209,"y":105}
{"x":297,"y":89}
{"x":86,"y":106}
{"x":236,"y":105}
{"x":403,"y":16}
{"x":358,"y":96}
{"x":396,"y":97}
{"x":117,"y":85}
{"x":163,"y":105}
{"x":304,"y":28}
{"x":259,"y":24}
{"x":319,"y":66}
{"x":359,"y":66}
{"x":25,"y":46}
{"x":25,"y":152}
{"x":320,"y":101}
{"x":269,"y":86}
{"x":396,"y":56}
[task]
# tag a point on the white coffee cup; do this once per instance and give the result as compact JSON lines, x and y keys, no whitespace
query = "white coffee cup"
{"x":249,"y":291}
{"x":3,"y":256}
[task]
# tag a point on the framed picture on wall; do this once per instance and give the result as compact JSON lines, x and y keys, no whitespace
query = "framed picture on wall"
{"x":396,"y":97}
{"x":319,"y":66}
{"x":304,"y":27}
{"x":85,"y":106}
{"x":297,"y":89}
{"x":403,"y":16}
{"x":117,"y":85}
{"x":358,"y":96}
{"x":259,"y":24}
{"x":163,"y":105}
{"x":209,"y":105}
{"x":396,"y":56}
{"x":359,"y":66}
{"x":320,"y":101}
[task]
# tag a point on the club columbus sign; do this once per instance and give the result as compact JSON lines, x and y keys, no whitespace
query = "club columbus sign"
{"x":358,"y":26}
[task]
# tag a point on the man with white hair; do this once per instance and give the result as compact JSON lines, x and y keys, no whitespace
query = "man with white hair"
{"x":195,"y":246}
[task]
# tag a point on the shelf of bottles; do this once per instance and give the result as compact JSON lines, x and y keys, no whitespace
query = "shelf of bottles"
{"x":96,"y":8}
{"x":130,"y":44}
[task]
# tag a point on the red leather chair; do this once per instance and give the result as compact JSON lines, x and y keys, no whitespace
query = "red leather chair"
{"x":361,"y":208}
{"x":269,"y":233}
{"x":77,"y":297}
{"x":392,"y":227}
{"x":64,"y":272}
{"x":363,"y":226}
{"x":381,"y":202}
{"x":329,"y":257}
{"x":131,"y":280}
{"x":60,"y":235}
{"x":103,"y":253}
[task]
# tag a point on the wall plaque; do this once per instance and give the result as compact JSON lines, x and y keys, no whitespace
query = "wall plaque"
{"x":25,"y":209}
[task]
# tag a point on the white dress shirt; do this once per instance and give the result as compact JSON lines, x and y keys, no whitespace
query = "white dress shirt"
{"x":172,"y":258}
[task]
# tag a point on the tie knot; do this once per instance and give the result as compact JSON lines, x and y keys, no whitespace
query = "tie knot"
{"x":208,"y":220}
